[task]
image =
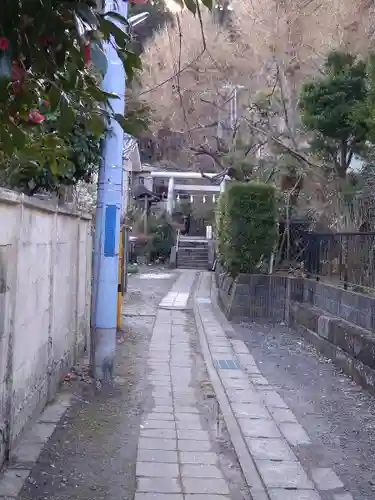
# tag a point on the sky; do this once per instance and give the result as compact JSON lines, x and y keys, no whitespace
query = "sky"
{"x":173,"y":6}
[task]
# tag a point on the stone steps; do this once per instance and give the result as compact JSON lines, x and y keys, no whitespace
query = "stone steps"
{"x":192,"y":255}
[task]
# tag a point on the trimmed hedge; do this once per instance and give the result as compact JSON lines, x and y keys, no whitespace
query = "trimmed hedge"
{"x":246,"y":227}
{"x":219,"y":223}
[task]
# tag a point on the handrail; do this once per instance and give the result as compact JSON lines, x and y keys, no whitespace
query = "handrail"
{"x":178,"y":239}
{"x":177,"y":244}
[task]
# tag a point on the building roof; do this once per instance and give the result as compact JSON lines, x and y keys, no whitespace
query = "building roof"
{"x":131,"y":158}
{"x":141,"y":192}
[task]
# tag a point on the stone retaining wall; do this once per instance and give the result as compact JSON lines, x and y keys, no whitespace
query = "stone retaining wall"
{"x":253,"y":296}
{"x":338,"y":322}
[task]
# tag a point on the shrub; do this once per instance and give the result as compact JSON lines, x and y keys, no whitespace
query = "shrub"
{"x":247,"y":221}
{"x":219,"y":227}
{"x":162,"y":237}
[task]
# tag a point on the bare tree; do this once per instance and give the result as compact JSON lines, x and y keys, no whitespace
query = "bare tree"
{"x":267,"y":50}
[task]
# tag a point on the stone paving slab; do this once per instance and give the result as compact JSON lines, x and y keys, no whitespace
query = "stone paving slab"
{"x":294,"y":433}
{"x":153,"y":469}
{"x":146,"y":443}
{"x":193,"y":435}
{"x":259,"y":428}
{"x":342,"y":496}
{"x":282,"y":494}
{"x":158,"y":496}
{"x":158,"y":485}
{"x":178,"y":296}
{"x":205,"y":486}
{"x":159,"y":456}
{"x":158,"y":433}
{"x":163,"y":409}
{"x":160,"y":416}
{"x":188,"y":445}
{"x":282,"y":415}
{"x":326,"y":479}
{"x":159,"y":424}
{"x":198,"y":457}
{"x":251,"y":410}
{"x":270,"y":449}
{"x":12,"y":482}
{"x":284,"y":474}
{"x":206,"y":497}
{"x":200,"y":471}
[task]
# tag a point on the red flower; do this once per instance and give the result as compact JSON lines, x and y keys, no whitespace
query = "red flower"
{"x":35,"y":117}
{"x":87,"y":53}
{"x":4,"y":43}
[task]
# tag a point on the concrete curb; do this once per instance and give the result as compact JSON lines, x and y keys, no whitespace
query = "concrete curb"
{"x":27,"y":452}
{"x":250,"y":472}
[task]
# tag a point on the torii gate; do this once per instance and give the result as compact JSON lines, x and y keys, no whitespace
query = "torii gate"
{"x":187,"y":187}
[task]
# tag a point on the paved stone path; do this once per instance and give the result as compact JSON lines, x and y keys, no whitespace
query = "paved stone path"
{"x":178,"y":296}
{"x":175,"y":458}
{"x":268,"y":427}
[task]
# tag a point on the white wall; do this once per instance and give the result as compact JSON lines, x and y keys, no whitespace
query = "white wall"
{"x":45,"y":284}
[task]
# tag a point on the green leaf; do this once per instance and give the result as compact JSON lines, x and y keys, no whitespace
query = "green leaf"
{"x":131,"y":61}
{"x":18,"y":135}
{"x":191,"y":5}
{"x":97,"y":125}
{"x":54,"y":97}
{"x":128,"y":126}
{"x":109,"y":28}
{"x":6,"y":141}
{"x":117,"y":17}
{"x":53,"y":165}
{"x":208,"y":4}
{"x":65,"y":122}
{"x":86,"y":14}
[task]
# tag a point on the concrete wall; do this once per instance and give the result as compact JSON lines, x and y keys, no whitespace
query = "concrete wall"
{"x":45,"y":284}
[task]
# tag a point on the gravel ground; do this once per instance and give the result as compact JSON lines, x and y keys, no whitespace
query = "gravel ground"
{"x":92,"y":454}
{"x":338,"y":415}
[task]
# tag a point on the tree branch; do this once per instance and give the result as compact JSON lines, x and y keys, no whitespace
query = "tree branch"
{"x":291,"y":151}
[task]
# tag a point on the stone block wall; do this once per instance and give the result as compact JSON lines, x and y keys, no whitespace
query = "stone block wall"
{"x":338,"y":322}
{"x":354,"y":307}
{"x":45,"y":285}
{"x":255,"y":296}
{"x":350,"y":346}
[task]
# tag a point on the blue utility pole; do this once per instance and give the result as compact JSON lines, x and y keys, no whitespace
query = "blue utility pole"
{"x":107,"y":223}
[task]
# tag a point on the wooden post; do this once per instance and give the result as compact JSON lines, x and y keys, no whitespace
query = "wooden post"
{"x":145,"y":225}
{"x":119,"y":289}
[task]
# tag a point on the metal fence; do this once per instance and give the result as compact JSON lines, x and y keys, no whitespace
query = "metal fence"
{"x":345,"y":257}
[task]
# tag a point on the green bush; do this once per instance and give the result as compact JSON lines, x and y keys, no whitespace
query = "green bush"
{"x":246,"y":227}
{"x":162,"y":237}
{"x":219,"y":228}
